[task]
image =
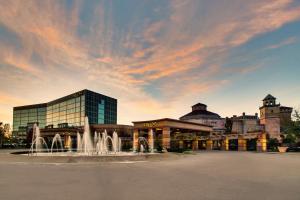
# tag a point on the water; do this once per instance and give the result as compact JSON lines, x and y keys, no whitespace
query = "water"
{"x":79,"y":143}
{"x":87,"y":145}
{"x":105,"y":144}
{"x":58,"y":142}
{"x":37,"y":141}
{"x":143,"y":144}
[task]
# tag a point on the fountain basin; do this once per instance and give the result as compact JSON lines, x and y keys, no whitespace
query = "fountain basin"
{"x":73,"y":157}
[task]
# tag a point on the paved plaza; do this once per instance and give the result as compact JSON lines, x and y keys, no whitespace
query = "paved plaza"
{"x":204,"y":175}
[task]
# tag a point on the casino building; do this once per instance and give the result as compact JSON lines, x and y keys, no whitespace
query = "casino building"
{"x":65,"y":114}
{"x":201,"y":115}
{"x":170,"y":134}
{"x":199,"y":129}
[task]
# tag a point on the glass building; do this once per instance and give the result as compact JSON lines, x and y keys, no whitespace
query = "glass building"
{"x":25,"y":117}
{"x":68,"y":111}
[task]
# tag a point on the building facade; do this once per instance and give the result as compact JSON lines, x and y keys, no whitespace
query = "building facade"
{"x":274,"y":116}
{"x":169,"y":134}
{"x":24,"y":117}
{"x":245,"y":124}
{"x":68,"y":111}
{"x":201,"y":115}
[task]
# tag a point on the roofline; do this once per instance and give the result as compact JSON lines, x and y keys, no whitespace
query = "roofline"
{"x":270,"y":96}
{"x":270,"y":106}
{"x":76,"y":94}
{"x":110,"y":126}
{"x":30,"y":106}
{"x":81,"y":92}
{"x":212,"y":114}
{"x":202,"y":104}
{"x":86,"y":90}
{"x":174,"y":120}
{"x":286,"y":107}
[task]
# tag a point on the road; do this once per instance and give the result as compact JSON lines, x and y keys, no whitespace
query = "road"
{"x":205,"y":175}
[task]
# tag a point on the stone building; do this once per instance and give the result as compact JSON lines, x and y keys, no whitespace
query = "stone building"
{"x":245,"y":124}
{"x":201,"y":115}
{"x":274,"y":116}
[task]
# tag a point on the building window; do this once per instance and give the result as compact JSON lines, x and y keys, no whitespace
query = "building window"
{"x":101,"y":112}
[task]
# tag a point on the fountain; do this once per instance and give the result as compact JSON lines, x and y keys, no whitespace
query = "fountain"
{"x":100,"y":144}
{"x":103,"y":140}
{"x":37,"y":141}
{"x":79,"y":142}
{"x":55,"y":141}
{"x":143,"y":144}
{"x":142,"y":148}
{"x":87,"y":140}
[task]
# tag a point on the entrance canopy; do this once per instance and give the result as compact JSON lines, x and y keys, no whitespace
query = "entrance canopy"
{"x":168,"y":133}
{"x":172,"y":123}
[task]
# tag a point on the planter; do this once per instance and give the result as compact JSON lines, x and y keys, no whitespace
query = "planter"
{"x":282,"y":149}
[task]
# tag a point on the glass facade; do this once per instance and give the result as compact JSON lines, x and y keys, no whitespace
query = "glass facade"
{"x":100,"y":109}
{"x":23,"y":116}
{"x":68,"y":111}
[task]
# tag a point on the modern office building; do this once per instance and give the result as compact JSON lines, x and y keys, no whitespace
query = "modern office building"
{"x":24,"y":117}
{"x":66,"y":112}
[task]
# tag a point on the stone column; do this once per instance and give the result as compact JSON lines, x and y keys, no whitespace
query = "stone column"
{"x":225,"y":144}
{"x":166,"y":138}
{"x":261,"y":143}
{"x":242,"y":144}
{"x":135,"y":139}
{"x":150,"y":140}
{"x":264,"y":142}
{"x":67,"y":142}
{"x":181,"y":144}
{"x":195,"y":145}
{"x":209,"y":144}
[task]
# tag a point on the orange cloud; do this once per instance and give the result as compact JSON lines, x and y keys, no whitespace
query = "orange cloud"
{"x":182,"y":48}
{"x":6,"y":99}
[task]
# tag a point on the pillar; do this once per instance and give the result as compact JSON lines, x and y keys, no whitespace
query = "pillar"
{"x":135,"y":139}
{"x":195,"y":145}
{"x":242,"y":144}
{"x":180,"y":144}
{"x":225,"y":144}
{"x":67,"y":142}
{"x":261,"y":143}
{"x":150,"y":140}
{"x":166,"y":138}
{"x":209,"y":144}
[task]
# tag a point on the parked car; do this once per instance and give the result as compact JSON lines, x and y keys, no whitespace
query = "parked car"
{"x":293,"y":149}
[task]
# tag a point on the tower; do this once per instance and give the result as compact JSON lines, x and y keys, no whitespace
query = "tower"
{"x":270,"y":116}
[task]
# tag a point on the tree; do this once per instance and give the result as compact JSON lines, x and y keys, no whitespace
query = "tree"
{"x":292,"y":130}
{"x":2,"y":131}
{"x":7,"y":131}
{"x":228,"y":125}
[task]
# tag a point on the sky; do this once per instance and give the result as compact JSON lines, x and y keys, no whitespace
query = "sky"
{"x":156,"y":57}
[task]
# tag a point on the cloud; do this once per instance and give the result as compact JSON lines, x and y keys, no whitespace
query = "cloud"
{"x":167,"y":60}
{"x":176,"y":49}
{"x":6,"y":99}
{"x":285,"y":42}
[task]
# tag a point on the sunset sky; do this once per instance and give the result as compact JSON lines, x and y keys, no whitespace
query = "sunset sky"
{"x":156,"y":57}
